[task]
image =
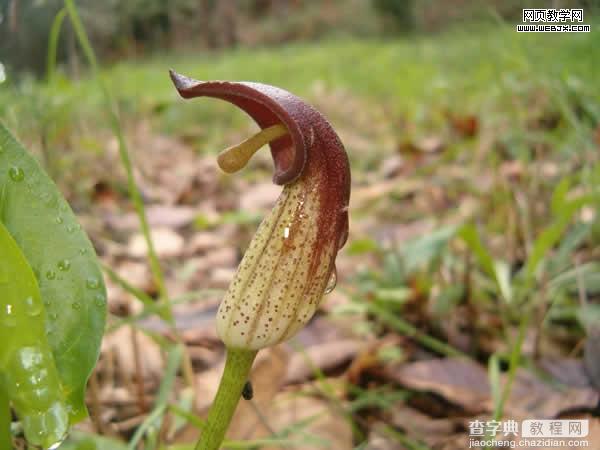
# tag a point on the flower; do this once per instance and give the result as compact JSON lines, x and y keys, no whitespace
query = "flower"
{"x":291,"y":258}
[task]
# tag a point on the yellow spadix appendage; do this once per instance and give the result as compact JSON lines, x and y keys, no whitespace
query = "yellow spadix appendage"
{"x":235,"y":158}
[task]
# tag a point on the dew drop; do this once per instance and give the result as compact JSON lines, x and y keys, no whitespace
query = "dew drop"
{"x":51,"y":275}
{"x":70,"y":228}
{"x":332,"y":282}
{"x":82,"y":251}
{"x":286,"y":232}
{"x":92,"y":283}
{"x":56,"y":445}
{"x":16,"y":174}
{"x":7,"y":316}
{"x":32,"y":307}
{"x":76,"y":305}
{"x":99,"y":300}
{"x":58,"y":220}
{"x":64,"y":265}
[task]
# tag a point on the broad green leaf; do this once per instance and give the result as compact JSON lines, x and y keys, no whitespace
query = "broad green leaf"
{"x":29,"y":375}
{"x":64,"y":262}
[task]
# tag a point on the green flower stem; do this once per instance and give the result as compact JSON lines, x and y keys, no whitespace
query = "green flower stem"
{"x":237,"y":368}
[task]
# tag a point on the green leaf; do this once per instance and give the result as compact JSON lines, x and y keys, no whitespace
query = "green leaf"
{"x":362,"y":246}
{"x":471,"y":237}
{"x":587,"y":274}
{"x":29,"y":375}
{"x":559,"y":196}
{"x":498,"y":270}
{"x":502,"y":276}
{"x":422,"y":251}
{"x":86,"y":441}
{"x":64,"y":262}
{"x":551,"y":235}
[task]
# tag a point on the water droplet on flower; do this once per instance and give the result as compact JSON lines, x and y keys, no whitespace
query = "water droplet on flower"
{"x":332,"y":282}
{"x":32,"y":307}
{"x":16,"y":174}
{"x":51,"y":275}
{"x":64,"y":265}
{"x":92,"y":283}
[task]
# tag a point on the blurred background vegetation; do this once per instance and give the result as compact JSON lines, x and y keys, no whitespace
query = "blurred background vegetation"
{"x":474,"y":215}
{"x":125,"y":29}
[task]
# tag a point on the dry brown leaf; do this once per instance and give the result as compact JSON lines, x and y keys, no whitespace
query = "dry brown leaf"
{"x":530,"y":397}
{"x":289,"y":408}
{"x":259,"y":197}
{"x":380,"y":439}
{"x":465,"y":383}
{"x":221,"y":277}
{"x":325,"y":356}
{"x":569,"y":371}
{"x":119,"y":346}
{"x":203,"y":241}
{"x":459,"y":381}
{"x":159,"y":216}
{"x":420,"y":426}
{"x":167,"y":244}
{"x":392,"y":166}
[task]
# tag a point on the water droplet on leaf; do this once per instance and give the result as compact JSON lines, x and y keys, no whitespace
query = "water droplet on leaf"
{"x":99,"y":300}
{"x":51,"y":275}
{"x":7,"y":316}
{"x":76,"y":305}
{"x":32,"y":307}
{"x":64,"y":265}
{"x":16,"y":174}
{"x":92,"y":283}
